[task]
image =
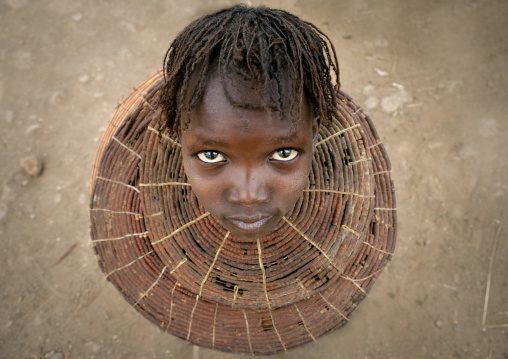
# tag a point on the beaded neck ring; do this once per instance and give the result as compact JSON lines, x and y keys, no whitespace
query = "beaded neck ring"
{"x":176,"y":265}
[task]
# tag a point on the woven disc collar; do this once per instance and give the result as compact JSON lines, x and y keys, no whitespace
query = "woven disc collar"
{"x":183,"y":271}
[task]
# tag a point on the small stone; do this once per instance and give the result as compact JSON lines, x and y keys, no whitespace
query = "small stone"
{"x":394,"y":102}
{"x":130,"y":27}
{"x":32,"y":128}
{"x":32,"y":166}
{"x":9,"y":116}
{"x":371,"y":102}
{"x":77,"y":17}
{"x":439,"y":324}
{"x":53,"y":355}
{"x":56,"y":97}
{"x":95,"y":348}
{"x":368,"y":90}
{"x":381,"y":72}
{"x":381,"y":42}
{"x":84,"y":78}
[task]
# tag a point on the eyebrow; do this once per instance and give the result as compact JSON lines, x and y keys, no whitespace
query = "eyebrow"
{"x":202,"y":142}
{"x":284,"y":138}
{"x":209,"y":142}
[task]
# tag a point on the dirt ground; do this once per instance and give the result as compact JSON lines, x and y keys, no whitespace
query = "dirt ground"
{"x":433,"y":75}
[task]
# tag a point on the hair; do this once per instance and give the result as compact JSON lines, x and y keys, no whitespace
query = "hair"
{"x":287,"y":58}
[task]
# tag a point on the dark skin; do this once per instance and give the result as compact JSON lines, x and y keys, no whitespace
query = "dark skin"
{"x":246,"y":165}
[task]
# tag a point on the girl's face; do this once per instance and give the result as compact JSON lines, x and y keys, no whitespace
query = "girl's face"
{"x":246,"y":165}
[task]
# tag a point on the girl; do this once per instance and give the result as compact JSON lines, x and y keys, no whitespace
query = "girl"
{"x":243,"y":202}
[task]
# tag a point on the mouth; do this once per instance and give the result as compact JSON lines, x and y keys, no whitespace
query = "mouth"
{"x":249,"y":224}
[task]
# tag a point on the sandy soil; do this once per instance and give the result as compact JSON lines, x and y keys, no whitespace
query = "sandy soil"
{"x":432,"y":75}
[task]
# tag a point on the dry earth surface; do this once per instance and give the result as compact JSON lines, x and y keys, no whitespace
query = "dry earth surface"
{"x":433,"y":75}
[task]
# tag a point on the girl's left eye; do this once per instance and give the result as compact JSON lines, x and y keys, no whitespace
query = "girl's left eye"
{"x":284,"y":154}
{"x":210,"y":156}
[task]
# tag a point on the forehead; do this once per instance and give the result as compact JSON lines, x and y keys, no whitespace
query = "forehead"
{"x":234,"y":107}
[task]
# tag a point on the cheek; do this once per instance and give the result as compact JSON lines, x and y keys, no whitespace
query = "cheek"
{"x":289,"y":188}
{"x":204,"y":187}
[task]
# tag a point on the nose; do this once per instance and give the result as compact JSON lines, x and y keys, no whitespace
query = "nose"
{"x":248,"y":187}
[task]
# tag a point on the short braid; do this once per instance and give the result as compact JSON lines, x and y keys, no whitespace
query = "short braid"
{"x":261,"y":45}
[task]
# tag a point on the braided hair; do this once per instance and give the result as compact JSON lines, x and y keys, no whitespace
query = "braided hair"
{"x":286,"y":57}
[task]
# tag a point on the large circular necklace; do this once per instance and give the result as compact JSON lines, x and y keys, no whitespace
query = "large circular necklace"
{"x":182,"y":270}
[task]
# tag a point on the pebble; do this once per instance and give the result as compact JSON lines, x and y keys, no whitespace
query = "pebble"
{"x":381,"y":72}
{"x":84,"y":78}
{"x":371,"y":102}
{"x":394,"y":102}
{"x":53,"y":355}
{"x":9,"y":116}
{"x":32,"y":166}
{"x":368,"y":90}
{"x":32,"y":128}
{"x":131,"y":27}
{"x":56,"y":97}
{"x":381,"y":42}
{"x":77,"y":17}
{"x":95,"y":348}
{"x":439,"y":324}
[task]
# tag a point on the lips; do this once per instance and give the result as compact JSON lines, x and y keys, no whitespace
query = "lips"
{"x":249,"y":224}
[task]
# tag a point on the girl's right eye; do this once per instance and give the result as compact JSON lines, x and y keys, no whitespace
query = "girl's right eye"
{"x":211,"y":156}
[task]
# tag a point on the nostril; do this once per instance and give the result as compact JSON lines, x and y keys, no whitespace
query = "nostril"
{"x":248,"y":192}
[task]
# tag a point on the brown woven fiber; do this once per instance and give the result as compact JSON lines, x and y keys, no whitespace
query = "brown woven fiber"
{"x":179,"y":268}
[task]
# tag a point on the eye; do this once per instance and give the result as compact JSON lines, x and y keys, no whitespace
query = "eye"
{"x":210,"y":156}
{"x":284,"y":154}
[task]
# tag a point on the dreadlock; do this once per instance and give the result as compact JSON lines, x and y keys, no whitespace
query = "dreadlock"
{"x":262,"y":45}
